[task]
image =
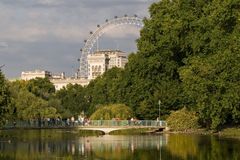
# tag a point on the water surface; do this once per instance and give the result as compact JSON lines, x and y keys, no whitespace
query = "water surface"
{"x":68,"y":144}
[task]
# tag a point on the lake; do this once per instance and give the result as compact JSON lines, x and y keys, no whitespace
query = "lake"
{"x":59,"y":144}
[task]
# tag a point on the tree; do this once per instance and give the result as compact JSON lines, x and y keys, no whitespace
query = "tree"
{"x":176,"y":32}
{"x":41,"y":87}
{"x":210,"y":74}
{"x":106,"y":89}
{"x":213,"y":87}
{"x":14,"y":88}
{"x":109,"y":112}
{"x":183,"y":120}
{"x":73,"y":100}
{"x":4,"y":99}
{"x":28,"y":106}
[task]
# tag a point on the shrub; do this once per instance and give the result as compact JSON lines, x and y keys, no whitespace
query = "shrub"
{"x":109,"y":112}
{"x":182,"y":120}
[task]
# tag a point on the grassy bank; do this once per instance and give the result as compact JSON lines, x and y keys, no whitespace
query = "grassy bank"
{"x":231,"y":132}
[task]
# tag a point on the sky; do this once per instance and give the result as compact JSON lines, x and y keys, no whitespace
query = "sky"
{"x":48,"y":34}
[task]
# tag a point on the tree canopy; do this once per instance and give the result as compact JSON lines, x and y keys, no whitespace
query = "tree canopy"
{"x":73,"y":100}
{"x":188,"y":54}
{"x":41,"y":87}
{"x":108,"y":112}
{"x":4,"y":99}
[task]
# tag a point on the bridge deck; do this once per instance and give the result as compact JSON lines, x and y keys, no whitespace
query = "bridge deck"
{"x":103,"y":125}
{"x":107,"y":129}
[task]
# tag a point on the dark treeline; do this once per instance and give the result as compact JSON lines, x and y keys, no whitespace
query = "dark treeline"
{"x":188,"y":56}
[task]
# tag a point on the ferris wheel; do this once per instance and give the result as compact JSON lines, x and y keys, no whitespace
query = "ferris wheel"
{"x":101,"y":29}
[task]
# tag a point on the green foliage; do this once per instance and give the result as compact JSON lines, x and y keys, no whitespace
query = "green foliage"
{"x":27,"y":105}
{"x":41,"y":87}
{"x":106,"y":89}
{"x":182,"y":120}
{"x":213,"y":85}
{"x":175,"y":33}
{"x":72,"y":100}
{"x":231,"y":132}
{"x":109,"y":112}
{"x":14,"y":88}
{"x":4,"y":99}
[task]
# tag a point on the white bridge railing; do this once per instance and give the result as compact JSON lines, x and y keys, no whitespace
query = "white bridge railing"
{"x":85,"y":123}
{"x":124,"y":123}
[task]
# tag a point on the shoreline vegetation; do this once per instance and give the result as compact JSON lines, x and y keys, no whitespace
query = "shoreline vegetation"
{"x":231,"y":132}
{"x":228,"y":132}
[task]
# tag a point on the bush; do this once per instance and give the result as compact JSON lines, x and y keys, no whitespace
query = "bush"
{"x":109,"y":112}
{"x":182,"y":120}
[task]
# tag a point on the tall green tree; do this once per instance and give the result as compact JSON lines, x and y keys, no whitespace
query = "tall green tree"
{"x":210,"y":76}
{"x":111,"y":111}
{"x":175,"y":32}
{"x":4,"y":99}
{"x":28,"y":106}
{"x":213,"y":87}
{"x":106,"y":89}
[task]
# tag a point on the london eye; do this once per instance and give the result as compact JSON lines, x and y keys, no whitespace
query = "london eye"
{"x":101,"y":29}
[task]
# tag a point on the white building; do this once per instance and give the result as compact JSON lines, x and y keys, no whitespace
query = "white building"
{"x":117,"y":59}
{"x":101,"y":61}
{"x":58,"y":80}
{"x":58,"y":76}
{"x":60,"y":83}
{"x":28,"y":75}
{"x":97,"y":64}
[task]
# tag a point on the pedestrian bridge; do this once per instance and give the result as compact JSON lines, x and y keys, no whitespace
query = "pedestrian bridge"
{"x":105,"y":126}
{"x":108,"y":126}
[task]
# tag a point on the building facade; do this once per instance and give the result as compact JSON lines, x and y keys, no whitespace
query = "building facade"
{"x":58,"y":80}
{"x":97,"y":64}
{"x":117,"y":59}
{"x":101,"y":61}
{"x":60,"y":83}
{"x":28,"y":75}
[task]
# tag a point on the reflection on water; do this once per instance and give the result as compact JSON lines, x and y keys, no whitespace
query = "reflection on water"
{"x":121,"y":147}
{"x":67,"y":144}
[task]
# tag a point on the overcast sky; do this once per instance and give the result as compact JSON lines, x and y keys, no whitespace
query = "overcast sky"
{"x":48,"y":34}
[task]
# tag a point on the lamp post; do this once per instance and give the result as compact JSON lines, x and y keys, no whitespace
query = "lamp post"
{"x":159,"y":103}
